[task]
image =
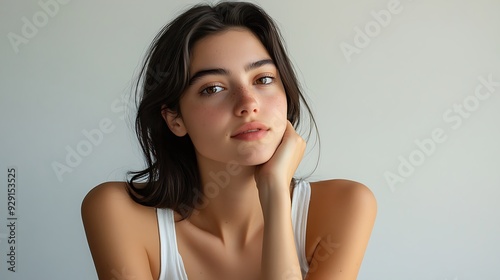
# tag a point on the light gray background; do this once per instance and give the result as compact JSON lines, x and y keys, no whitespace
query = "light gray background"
{"x":441,"y":222}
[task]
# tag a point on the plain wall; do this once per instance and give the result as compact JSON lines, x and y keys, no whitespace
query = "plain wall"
{"x":403,"y":105}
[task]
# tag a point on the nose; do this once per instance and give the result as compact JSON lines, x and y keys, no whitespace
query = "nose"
{"x":246,"y":102}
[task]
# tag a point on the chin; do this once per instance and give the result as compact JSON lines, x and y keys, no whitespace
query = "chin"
{"x":253,"y":157}
{"x":258,"y":161}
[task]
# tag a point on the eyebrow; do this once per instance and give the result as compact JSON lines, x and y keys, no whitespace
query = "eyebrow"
{"x":221,"y":71}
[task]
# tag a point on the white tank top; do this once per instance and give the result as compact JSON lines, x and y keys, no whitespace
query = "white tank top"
{"x":172,"y":267}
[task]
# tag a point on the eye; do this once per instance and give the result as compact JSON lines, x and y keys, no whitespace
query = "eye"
{"x":211,"y":90}
{"x":265,"y":80}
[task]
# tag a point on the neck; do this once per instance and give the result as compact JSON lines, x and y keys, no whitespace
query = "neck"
{"x":230,"y":207}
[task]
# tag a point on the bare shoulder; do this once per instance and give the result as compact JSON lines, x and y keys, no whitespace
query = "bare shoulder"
{"x":107,"y":195}
{"x":338,"y":201}
{"x":117,"y":229}
{"x":102,"y":192}
{"x":343,"y":193}
{"x":340,"y":220}
{"x":112,"y":200}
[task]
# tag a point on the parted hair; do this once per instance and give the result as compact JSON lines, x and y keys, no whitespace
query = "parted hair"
{"x":171,"y":178}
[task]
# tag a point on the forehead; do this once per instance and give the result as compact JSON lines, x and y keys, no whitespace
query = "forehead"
{"x":232,"y":48}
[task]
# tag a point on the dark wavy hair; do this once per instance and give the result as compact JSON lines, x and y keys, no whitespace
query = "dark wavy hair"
{"x":172,"y":178}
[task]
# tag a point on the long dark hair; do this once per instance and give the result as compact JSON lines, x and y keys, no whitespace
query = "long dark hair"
{"x":172,"y":176}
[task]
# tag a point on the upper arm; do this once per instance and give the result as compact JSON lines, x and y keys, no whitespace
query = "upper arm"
{"x":108,"y":215}
{"x":343,"y":214}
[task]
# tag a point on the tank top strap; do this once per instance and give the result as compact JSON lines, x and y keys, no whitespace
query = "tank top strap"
{"x":300,"y":209}
{"x":171,"y":266}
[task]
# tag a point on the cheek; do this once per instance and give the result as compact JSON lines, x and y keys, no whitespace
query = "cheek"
{"x":200,"y":121}
{"x":278,"y":109}
{"x":205,"y":125}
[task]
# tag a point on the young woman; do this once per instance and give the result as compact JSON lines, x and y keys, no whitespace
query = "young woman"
{"x":218,"y":109}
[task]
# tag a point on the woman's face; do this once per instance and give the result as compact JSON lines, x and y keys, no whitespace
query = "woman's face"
{"x":234,"y":109}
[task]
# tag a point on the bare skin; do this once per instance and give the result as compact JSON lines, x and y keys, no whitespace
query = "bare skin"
{"x":123,"y":236}
{"x":245,"y":232}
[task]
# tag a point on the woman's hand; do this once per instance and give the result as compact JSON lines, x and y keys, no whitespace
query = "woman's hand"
{"x":277,"y":173}
{"x":279,"y":256}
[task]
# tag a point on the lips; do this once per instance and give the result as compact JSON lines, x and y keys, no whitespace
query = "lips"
{"x":251,"y":127}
